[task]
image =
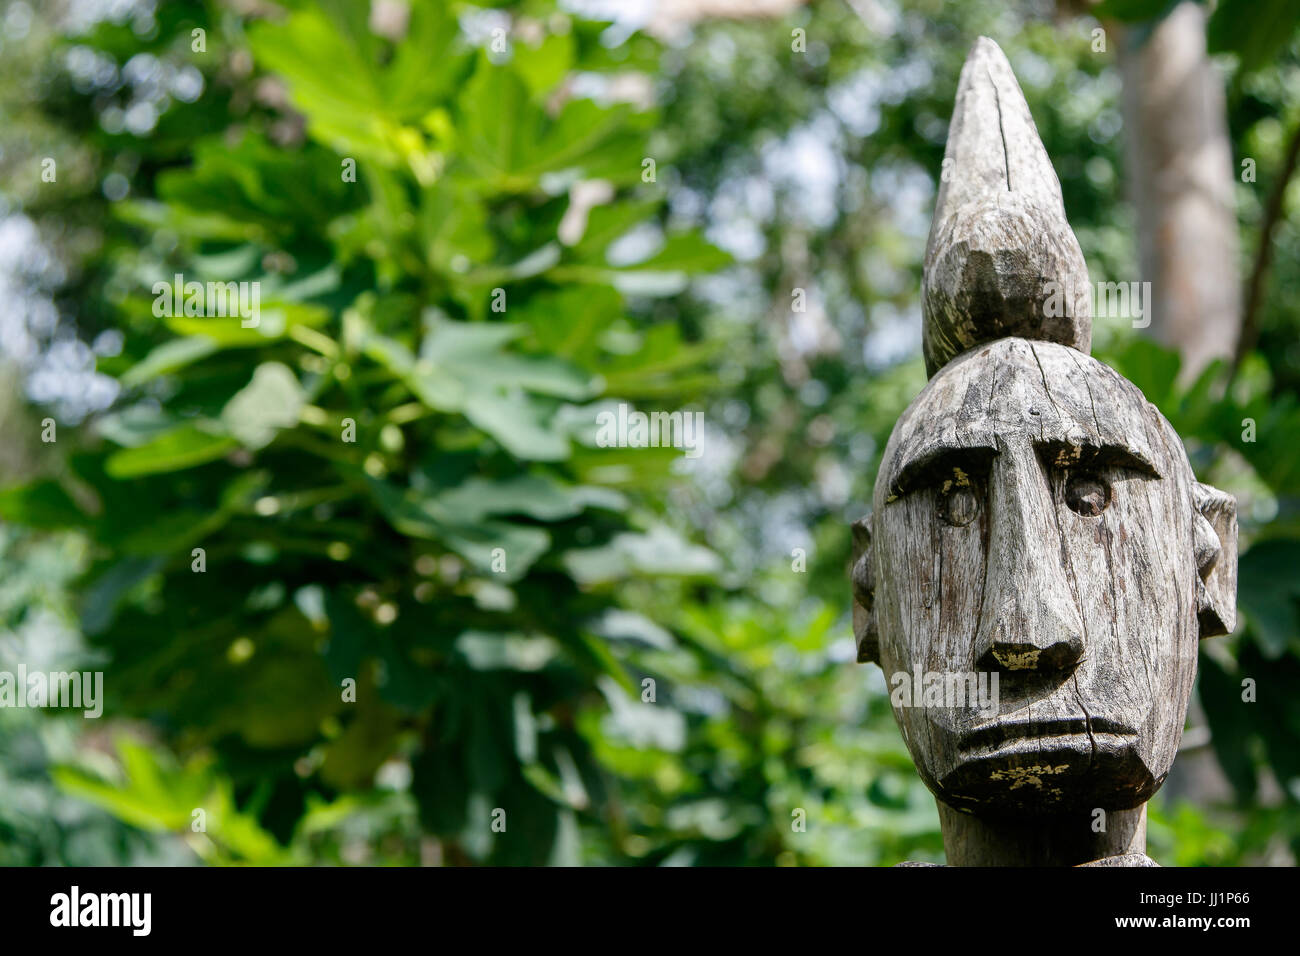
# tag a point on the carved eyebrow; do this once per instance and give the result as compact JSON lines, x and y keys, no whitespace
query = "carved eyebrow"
{"x":939,"y":461}
{"x":1062,"y":454}
{"x":944,"y":461}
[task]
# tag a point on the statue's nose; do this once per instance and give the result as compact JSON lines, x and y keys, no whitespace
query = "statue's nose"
{"x":1030,"y":619}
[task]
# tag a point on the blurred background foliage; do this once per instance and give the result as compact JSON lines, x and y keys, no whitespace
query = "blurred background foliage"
{"x":555,"y":208}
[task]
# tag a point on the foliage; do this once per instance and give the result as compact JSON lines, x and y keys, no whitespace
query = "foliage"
{"x":389,"y":481}
{"x":461,"y":312}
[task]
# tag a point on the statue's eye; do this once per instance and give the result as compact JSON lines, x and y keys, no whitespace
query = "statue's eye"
{"x":1087,"y":494}
{"x":959,"y":505}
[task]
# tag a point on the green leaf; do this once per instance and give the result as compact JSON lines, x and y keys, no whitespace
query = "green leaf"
{"x":518,"y":425}
{"x":609,"y":222}
{"x":544,"y":376}
{"x":427,"y":64}
{"x":1132,"y":11}
{"x":482,"y":543}
{"x":1255,"y":30}
{"x":1151,"y":367}
{"x":440,"y":784}
{"x":450,"y":342}
{"x":531,"y":495}
{"x":170,"y":357}
{"x":42,"y":504}
{"x":275,"y":320}
{"x":512,"y":145}
{"x":180,"y":448}
{"x":102,"y":598}
{"x":172,"y":532}
{"x":461,"y":368}
{"x":254,"y":191}
{"x":352,"y":636}
{"x":156,"y":795}
{"x":472,"y":353}
{"x":568,"y":323}
{"x":499,"y":142}
{"x":453,"y":228}
{"x":1269,"y":593}
{"x":660,"y":552}
{"x":436,"y":388}
{"x":135,"y":425}
{"x":544,"y":65}
{"x":173,"y":217}
{"x":352,"y":758}
{"x":332,"y":80}
{"x":520,"y":546}
{"x":271,"y":401}
{"x":687,"y":252}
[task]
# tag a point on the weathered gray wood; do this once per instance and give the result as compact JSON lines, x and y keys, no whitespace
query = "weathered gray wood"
{"x":969,"y":840}
{"x":1036,"y":527}
{"x":1001,"y":258}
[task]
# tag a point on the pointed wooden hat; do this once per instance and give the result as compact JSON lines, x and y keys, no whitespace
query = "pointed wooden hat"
{"x":1001,"y":259}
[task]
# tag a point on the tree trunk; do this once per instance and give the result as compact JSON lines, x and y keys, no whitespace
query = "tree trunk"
{"x":1181,"y":175}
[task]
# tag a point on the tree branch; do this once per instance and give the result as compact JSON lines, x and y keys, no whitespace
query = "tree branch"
{"x":1255,"y":289}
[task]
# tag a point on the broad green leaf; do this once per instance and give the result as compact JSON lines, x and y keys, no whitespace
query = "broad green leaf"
{"x":450,"y":342}
{"x":159,"y":216}
{"x":581,"y":136}
{"x":499,"y":142}
{"x":544,"y":65}
{"x":135,"y":425}
{"x":312,"y":54}
{"x":512,"y":145}
{"x":687,"y":252}
{"x":352,"y":636}
{"x":183,"y":447}
{"x":41,"y":504}
{"x":1269,"y":593}
{"x":172,"y":532}
{"x":569,"y":322}
{"x":543,"y":376}
{"x":280,"y":195}
{"x":274,"y":321}
{"x":472,"y":353}
{"x":229,"y":264}
{"x":101,"y":599}
{"x":531,"y":495}
{"x":405,"y":511}
{"x":453,"y":229}
{"x":610,"y":221}
{"x":438,"y":388}
{"x":158,"y":795}
{"x":517,"y":424}
{"x":497,"y":547}
{"x":271,"y":401}
{"x":482,"y":543}
{"x":352,"y":758}
{"x":658,"y":552}
{"x":171,"y":357}
{"x":427,"y":63}
{"x":1255,"y":30}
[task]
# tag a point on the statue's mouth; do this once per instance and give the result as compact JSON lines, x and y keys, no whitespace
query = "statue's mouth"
{"x":1047,"y":766}
{"x":989,"y":737}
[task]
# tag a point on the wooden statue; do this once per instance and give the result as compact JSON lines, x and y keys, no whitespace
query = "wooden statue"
{"x":1036,"y":529}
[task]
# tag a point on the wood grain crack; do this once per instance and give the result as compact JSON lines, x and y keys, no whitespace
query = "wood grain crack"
{"x":997,"y":101}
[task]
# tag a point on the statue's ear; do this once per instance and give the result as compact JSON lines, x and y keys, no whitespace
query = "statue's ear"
{"x":1215,"y":524}
{"x":864,"y":593}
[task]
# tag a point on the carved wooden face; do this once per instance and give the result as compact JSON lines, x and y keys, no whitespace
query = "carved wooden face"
{"x":1037,"y":518}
